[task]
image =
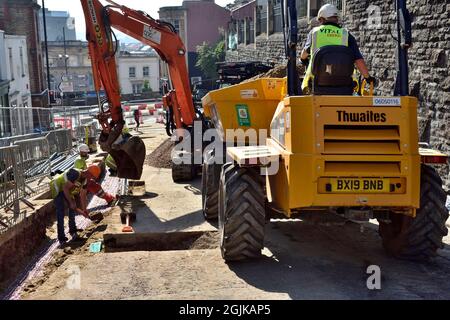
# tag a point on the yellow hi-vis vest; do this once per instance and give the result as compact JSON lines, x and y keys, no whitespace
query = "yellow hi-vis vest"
{"x":110,"y":163}
{"x":58,"y":182}
{"x":80,"y":164}
{"x":325,"y":35}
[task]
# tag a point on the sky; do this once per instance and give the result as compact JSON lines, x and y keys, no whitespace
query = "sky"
{"x":75,"y":10}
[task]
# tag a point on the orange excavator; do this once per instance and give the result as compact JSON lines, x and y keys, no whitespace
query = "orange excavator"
{"x":129,"y":155}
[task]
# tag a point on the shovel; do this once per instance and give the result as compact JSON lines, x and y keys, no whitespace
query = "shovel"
{"x":127,"y":228}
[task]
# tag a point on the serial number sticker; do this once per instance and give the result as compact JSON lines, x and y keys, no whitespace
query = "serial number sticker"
{"x":249,"y":94}
{"x":387,"y":101}
{"x":342,"y":185}
{"x":152,"y":34}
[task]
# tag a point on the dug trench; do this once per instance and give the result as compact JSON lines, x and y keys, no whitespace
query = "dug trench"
{"x":153,"y":229}
{"x":190,"y":240}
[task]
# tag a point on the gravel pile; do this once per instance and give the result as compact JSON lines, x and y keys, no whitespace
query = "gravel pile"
{"x":161,"y":156}
{"x":278,"y":72}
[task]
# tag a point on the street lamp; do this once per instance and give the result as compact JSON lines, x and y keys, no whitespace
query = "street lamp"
{"x":65,"y":57}
{"x":66,"y":77}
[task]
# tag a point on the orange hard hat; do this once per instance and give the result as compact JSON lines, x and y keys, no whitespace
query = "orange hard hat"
{"x":95,"y":171}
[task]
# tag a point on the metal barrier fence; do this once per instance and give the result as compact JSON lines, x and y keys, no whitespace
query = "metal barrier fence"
{"x":12,"y":182}
{"x":28,"y":161}
{"x":33,"y":142}
{"x":34,"y":162}
{"x":20,"y":121}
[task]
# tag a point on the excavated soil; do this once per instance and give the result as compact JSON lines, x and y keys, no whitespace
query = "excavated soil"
{"x":277,"y":72}
{"x":161,"y":156}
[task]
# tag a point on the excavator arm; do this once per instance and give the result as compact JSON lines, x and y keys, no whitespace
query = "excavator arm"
{"x":162,"y":37}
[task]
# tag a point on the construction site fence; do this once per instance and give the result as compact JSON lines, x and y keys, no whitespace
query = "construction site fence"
{"x":20,"y":123}
{"x":34,"y":161}
{"x":12,"y":182}
{"x":25,"y":165}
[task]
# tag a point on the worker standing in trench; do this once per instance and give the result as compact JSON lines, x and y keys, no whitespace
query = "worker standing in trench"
{"x":92,"y":186}
{"x":65,"y":189}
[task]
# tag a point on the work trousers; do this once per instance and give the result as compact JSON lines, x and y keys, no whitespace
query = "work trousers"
{"x":60,"y":203}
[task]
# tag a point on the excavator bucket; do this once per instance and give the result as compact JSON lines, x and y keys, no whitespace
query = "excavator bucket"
{"x":129,"y":158}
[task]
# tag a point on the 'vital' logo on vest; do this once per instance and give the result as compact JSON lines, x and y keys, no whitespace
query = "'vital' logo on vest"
{"x":325,"y":30}
{"x":369,"y":116}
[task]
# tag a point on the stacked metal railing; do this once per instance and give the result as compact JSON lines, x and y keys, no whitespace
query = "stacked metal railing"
{"x":59,"y":140}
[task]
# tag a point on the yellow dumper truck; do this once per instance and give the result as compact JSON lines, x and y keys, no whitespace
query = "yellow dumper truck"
{"x":355,"y":156}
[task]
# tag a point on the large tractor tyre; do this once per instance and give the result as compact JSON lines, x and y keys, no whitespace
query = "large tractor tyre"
{"x":210,"y":187}
{"x":241,"y":213}
{"x":419,"y":238}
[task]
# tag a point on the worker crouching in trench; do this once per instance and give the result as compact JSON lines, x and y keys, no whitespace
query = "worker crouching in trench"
{"x":67,"y":188}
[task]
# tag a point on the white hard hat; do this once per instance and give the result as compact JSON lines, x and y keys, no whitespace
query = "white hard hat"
{"x":83,"y":148}
{"x":328,"y":11}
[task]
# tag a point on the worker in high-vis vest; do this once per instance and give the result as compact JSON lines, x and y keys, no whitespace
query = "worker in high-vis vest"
{"x":330,"y":33}
{"x":80,"y":162}
{"x":65,"y":188}
{"x":111,"y":164}
{"x":92,"y":186}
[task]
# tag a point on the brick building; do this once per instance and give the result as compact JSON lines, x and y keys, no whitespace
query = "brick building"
{"x":20,"y":17}
{"x":370,"y":22}
{"x":197,"y":21}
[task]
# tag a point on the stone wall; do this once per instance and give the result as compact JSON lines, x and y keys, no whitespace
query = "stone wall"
{"x":429,"y":58}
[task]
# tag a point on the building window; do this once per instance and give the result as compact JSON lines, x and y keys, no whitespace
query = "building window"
{"x":302,"y":8}
{"x":250,"y":31}
{"x":11,"y":62}
{"x":261,"y":17}
{"x":241,"y":31}
{"x":27,"y":121}
{"x":232,"y":35}
{"x":22,"y":66}
{"x":5,"y":124}
{"x":277,"y":17}
{"x":137,"y":88}
{"x":146,"y":71}
{"x":132,"y":72}
{"x":176,"y":24}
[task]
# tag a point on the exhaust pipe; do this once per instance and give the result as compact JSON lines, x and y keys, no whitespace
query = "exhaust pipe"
{"x":404,"y":42}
